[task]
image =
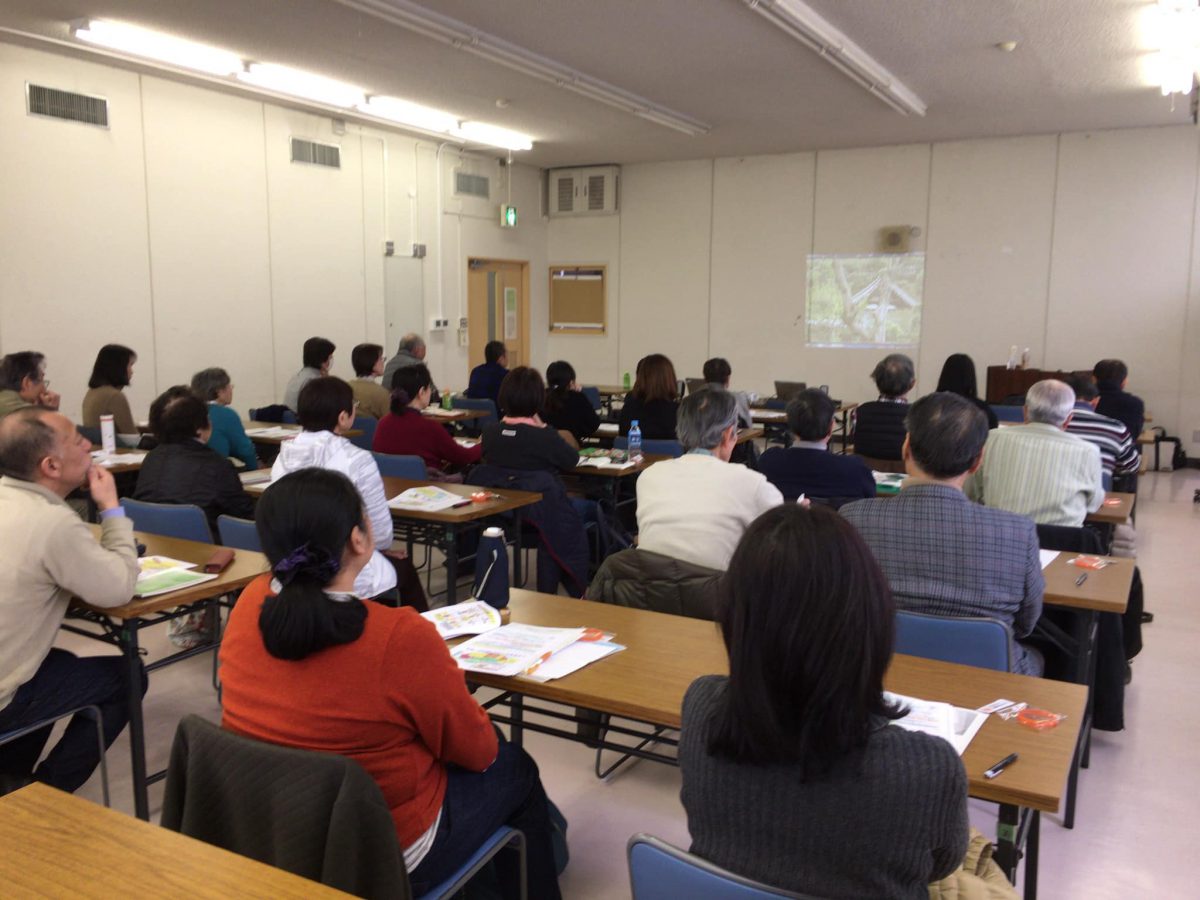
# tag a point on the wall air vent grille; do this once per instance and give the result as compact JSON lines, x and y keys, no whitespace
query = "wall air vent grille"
{"x":46,"y":101}
{"x":314,"y":154}
{"x":467,"y":184}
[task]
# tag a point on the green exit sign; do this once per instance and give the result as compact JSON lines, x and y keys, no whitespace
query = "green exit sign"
{"x":508,"y":216}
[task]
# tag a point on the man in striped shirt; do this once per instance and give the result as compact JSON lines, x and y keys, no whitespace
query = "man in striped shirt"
{"x":1037,"y":469}
{"x":1118,"y":452}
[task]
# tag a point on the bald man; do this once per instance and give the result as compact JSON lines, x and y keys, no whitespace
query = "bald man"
{"x":410,"y":353}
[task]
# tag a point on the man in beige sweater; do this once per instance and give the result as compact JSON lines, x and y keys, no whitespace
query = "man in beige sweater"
{"x":47,"y":556}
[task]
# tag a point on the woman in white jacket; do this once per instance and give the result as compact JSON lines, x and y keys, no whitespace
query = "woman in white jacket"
{"x":325,"y":411}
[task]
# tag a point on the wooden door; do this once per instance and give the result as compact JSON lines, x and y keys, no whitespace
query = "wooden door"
{"x":498,"y":308}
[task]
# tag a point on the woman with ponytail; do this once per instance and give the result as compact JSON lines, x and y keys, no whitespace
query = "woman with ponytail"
{"x":306,"y":663}
{"x":405,"y":432}
{"x":566,"y":408}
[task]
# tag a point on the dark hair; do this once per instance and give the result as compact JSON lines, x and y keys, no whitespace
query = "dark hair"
{"x":177,"y":414}
{"x":207,"y":383}
{"x":1083,"y":385}
{"x":25,"y":440}
{"x":493,"y":351}
{"x":894,"y":375}
{"x":322,"y":400}
{"x":522,"y":392}
{"x":304,"y":521}
{"x":559,"y":375}
{"x":16,"y":367}
{"x":316,"y":351}
{"x":406,"y":384}
{"x":946,"y":433}
{"x":364,"y":357}
{"x":1110,"y":373}
{"x":111,"y":368}
{"x":655,"y":379}
{"x":809,"y":414}
{"x":809,"y":622}
{"x":717,"y":370}
{"x":958,"y":376}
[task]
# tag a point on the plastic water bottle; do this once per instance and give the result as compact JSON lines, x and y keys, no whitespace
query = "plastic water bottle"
{"x":625,"y":381}
{"x":635,"y":440}
{"x":491,"y":569}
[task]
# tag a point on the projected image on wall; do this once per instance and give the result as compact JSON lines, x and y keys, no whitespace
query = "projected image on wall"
{"x":865,"y":300}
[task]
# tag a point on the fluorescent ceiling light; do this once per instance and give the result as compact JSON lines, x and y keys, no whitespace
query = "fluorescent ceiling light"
{"x":1176,"y":34}
{"x":804,"y":24}
{"x":297,"y":83}
{"x":156,"y":45}
{"x":462,"y":36}
{"x":481,"y":133}
{"x":405,"y":113}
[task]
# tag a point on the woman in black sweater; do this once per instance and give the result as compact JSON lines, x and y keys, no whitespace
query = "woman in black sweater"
{"x":958,"y":377}
{"x":654,"y":400}
{"x":521,"y":440}
{"x":567,"y":409}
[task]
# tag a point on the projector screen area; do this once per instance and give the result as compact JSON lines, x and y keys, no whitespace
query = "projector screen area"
{"x":864,"y":300}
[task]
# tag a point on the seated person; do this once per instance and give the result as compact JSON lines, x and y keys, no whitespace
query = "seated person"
{"x":326,"y":412}
{"x":1112,"y":377}
{"x":958,"y":377}
{"x":411,"y":352}
{"x":521,"y":440}
{"x":228,"y":437}
{"x":793,"y":774}
{"x":941,"y":553}
{"x":807,"y":467}
{"x":405,"y":432}
{"x":654,"y":400}
{"x":1118,"y":451}
{"x":373,"y":398}
{"x":485,"y":379}
{"x":318,"y":360}
{"x":111,"y":374}
{"x":879,"y":424}
{"x":23,"y":383}
{"x":50,"y":557}
{"x":1037,"y":469}
{"x":305,"y":663}
{"x":183,"y":468}
{"x":567,"y":409}
{"x":696,"y":508}
{"x":717,"y":372}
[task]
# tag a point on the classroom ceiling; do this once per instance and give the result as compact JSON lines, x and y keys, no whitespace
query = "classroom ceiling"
{"x":1079,"y":65}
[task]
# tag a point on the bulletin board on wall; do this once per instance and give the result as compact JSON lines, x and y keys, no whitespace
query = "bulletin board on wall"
{"x":578,"y":297}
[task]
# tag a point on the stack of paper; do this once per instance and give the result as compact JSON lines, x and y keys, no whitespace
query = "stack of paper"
{"x":275,"y":431}
{"x":951,"y":723}
{"x":255,"y":476}
{"x":441,"y":413}
{"x":472,"y":617}
{"x":533,"y":651}
{"x":1047,"y":557}
{"x":605,"y":462}
{"x":161,"y":575}
{"x":427,"y":498}
{"x":100,"y":458}
{"x":889,"y":482}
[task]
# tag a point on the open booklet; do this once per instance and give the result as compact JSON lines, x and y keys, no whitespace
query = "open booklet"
{"x":161,"y":575}
{"x":533,"y":651}
{"x":889,"y":482}
{"x":472,"y":617}
{"x":427,"y":498}
{"x":951,"y":723}
{"x":606,"y":462}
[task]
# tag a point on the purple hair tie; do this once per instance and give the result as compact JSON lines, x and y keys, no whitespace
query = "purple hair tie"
{"x":310,"y":561}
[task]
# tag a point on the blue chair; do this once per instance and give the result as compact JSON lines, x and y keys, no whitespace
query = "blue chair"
{"x":969,"y":641}
{"x":475,"y":426}
{"x":657,"y":447}
{"x":241,"y":534}
{"x":88,"y":712}
{"x":392,"y":466}
{"x":659,"y":871}
{"x":92,"y":434}
{"x":175,"y":520}
{"x":365,"y":424}
{"x":593,"y":394}
{"x":502,"y":837}
{"x":1008,"y":413}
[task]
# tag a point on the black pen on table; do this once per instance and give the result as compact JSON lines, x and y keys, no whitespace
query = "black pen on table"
{"x":1000,"y":766}
{"x":1081,"y":579}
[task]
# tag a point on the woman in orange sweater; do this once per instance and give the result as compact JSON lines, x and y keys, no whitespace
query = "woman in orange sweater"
{"x":307,"y":664}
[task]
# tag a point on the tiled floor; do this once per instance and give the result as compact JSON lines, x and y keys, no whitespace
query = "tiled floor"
{"x":1136,"y":804}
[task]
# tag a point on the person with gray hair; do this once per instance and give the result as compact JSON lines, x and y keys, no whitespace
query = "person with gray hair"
{"x":879,"y":424}
{"x":695,"y":508}
{"x":410,"y":353}
{"x":215,"y":387}
{"x":1038,"y":469}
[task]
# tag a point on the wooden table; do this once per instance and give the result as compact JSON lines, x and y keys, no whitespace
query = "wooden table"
{"x":276,"y":440}
{"x":609,"y":431}
{"x":59,"y":845}
{"x":120,"y":627}
{"x":119,"y":468}
{"x":1114,"y":510}
{"x":1104,"y":590}
{"x":451,"y":416}
{"x":646,"y":682}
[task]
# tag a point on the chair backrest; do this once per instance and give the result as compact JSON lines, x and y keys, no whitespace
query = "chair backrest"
{"x":593,"y":394}
{"x":695,"y":384}
{"x":365,"y":424}
{"x":176,"y":520}
{"x":893,"y":466}
{"x":1073,"y":540}
{"x":289,"y":418}
{"x":786,"y":390}
{"x":1106,"y":479}
{"x":1005,"y":413}
{"x":659,"y":871}
{"x":393,"y":466}
{"x":92,"y":434}
{"x":657,"y":447}
{"x":241,"y":534}
{"x":484,"y":405}
{"x":969,"y":641}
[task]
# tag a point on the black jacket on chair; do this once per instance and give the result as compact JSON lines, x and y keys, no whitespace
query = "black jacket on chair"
{"x":642,"y":579}
{"x":192,"y":472}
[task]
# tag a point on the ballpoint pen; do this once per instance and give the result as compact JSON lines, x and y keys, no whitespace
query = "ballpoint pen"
{"x":1081,"y":579}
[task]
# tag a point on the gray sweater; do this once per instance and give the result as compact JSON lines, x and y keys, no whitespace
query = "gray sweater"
{"x":884,"y":823}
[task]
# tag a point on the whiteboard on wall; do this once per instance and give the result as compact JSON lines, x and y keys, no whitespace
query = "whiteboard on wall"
{"x":404,"y":297}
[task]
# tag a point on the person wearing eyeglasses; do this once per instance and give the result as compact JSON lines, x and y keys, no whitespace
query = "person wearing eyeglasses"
{"x":23,"y":383}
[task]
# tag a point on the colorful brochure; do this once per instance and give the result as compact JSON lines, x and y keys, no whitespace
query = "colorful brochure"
{"x":472,"y":617}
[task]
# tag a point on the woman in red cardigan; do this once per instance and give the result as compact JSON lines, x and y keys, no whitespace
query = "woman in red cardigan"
{"x":305,"y":663}
{"x":406,"y":432}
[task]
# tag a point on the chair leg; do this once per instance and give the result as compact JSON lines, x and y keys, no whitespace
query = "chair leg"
{"x":93,"y":712}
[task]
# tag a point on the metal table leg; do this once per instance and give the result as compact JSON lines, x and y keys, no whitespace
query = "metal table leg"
{"x":516,"y":566}
{"x":451,"y":565}
{"x":137,"y":729}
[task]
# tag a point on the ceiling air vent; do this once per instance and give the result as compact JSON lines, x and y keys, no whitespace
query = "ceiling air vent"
{"x":315,"y":154}
{"x":471,"y":185}
{"x":45,"y":101}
